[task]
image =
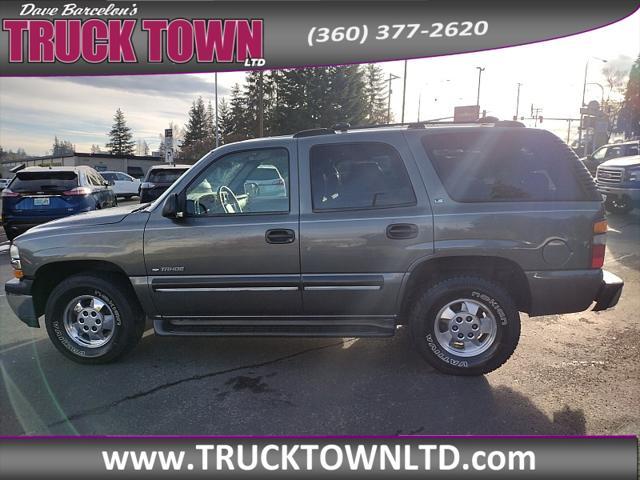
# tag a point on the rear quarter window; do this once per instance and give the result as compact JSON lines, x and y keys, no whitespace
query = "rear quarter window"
{"x":504,"y":166}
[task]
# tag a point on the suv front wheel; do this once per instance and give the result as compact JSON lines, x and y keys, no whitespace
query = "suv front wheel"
{"x":465,"y":325}
{"x":93,"y":319}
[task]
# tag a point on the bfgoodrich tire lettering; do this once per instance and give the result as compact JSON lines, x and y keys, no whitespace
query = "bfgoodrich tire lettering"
{"x":493,"y":305}
{"x":128,"y":319}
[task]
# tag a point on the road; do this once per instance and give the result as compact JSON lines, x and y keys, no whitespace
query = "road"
{"x":571,"y":375}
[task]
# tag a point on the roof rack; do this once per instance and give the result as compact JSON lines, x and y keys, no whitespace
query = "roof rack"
{"x":344,"y":127}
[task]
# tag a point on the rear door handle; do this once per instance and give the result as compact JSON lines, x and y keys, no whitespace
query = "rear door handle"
{"x":399,"y":231}
{"x":280,"y":235}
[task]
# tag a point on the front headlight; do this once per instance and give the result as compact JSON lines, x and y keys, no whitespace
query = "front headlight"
{"x":14,"y":254}
{"x":634,"y":174}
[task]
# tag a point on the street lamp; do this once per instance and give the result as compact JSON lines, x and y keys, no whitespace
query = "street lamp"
{"x":584,"y":91}
{"x":515,"y":117}
{"x":480,"y":70}
{"x":601,"y":90}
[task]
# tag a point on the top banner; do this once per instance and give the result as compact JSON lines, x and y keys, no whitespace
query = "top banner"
{"x":39,"y":38}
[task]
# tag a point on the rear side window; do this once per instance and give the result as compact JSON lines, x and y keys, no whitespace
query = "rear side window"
{"x":160,"y":175}
{"x":112,"y":177}
{"x":503,"y":166}
{"x":265,"y":173}
{"x":46,"y":181}
{"x":358,"y":176}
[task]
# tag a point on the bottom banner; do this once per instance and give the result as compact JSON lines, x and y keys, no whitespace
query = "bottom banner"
{"x":339,"y":457}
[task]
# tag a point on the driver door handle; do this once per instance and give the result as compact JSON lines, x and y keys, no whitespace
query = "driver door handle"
{"x":280,"y":235}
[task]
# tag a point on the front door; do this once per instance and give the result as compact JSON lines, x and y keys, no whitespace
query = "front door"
{"x":235,"y":253}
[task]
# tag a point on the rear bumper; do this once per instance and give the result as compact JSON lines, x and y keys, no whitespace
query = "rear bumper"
{"x":610,"y":291}
{"x":20,"y":300}
{"x":568,"y":291}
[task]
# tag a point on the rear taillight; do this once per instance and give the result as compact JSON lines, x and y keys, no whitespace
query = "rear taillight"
{"x":598,"y":244}
{"x":8,"y":193}
{"x":279,"y":182}
{"x":78,"y":191}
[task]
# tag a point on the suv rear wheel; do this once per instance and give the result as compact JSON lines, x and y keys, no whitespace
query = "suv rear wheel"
{"x":465,"y":325}
{"x":93,"y":319}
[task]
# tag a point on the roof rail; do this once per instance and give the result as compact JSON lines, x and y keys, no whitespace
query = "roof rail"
{"x":344,"y":127}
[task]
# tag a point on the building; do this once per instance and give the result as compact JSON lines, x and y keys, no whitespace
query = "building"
{"x":134,"y":165}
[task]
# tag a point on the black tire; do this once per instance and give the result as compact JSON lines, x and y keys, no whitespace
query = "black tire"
{"x":618,"y":205}
{"x":10,"y":234}
{"x":111,"y":289}
{"x":427,"y":305}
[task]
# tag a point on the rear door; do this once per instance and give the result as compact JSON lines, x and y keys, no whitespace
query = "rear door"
{"x":365,"y":218}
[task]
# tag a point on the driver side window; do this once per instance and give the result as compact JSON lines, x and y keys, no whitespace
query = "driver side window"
{"x":251,"y":181}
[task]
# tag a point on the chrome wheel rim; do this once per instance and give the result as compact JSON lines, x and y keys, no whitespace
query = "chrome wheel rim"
{"x":89,"y":321}
{"x":465,"y":327}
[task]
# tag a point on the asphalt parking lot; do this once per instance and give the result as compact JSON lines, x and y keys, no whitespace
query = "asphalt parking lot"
{"x":571,"y":375}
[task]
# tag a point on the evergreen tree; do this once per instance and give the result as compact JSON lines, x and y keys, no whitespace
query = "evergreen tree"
{"x":375,"y":92}
{"x":238,"y":125}
{"x":198,"y":139}
{"x":61,"y":147}
{"x":225,"y":125}
{"x":120,"y":136}
{"x":629,"y":116}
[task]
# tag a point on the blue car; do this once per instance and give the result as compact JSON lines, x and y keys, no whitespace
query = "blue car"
{"x":40,"y":194}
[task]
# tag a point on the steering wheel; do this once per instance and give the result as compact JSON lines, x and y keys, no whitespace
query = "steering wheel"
{"x":224,"y":193}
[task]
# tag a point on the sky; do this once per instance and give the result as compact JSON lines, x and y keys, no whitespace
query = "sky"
{"x":80,"y":109}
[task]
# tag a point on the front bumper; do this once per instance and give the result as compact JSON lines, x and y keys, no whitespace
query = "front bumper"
{"x":20,"y":300}
{"x":618,"y":191}
{"x":568,"y":291}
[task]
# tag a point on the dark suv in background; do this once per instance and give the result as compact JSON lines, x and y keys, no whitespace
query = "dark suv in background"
{"x":158,"y":179}
{"x":39,"y":194}
{"x":449,"y":230}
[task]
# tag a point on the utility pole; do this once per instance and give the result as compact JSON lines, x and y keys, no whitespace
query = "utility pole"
{"x":515,"y":117}
{"x":480,"y":70}
{"x":260,"y":104}
{"x":404,"y":88}
{"x":217,"y":132}
{"x":391,"y":78}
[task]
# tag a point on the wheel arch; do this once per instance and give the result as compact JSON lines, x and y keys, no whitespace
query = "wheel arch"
{"x":51,"y":274}
{"x":500,"y":270}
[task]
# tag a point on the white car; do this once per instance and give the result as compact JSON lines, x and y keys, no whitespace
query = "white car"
{"x":265,"y":181}
{"x":122,"y":184}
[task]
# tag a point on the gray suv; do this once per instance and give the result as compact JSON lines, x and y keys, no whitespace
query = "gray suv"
{"x":449,"y":230}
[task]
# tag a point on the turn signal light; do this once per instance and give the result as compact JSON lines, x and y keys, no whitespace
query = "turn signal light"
{"x":598,"y":244}
{"x":600,"y":227}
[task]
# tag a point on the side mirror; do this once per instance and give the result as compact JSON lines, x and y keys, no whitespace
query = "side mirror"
{"x":109,"y":183}
{"x":171,"y":208}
